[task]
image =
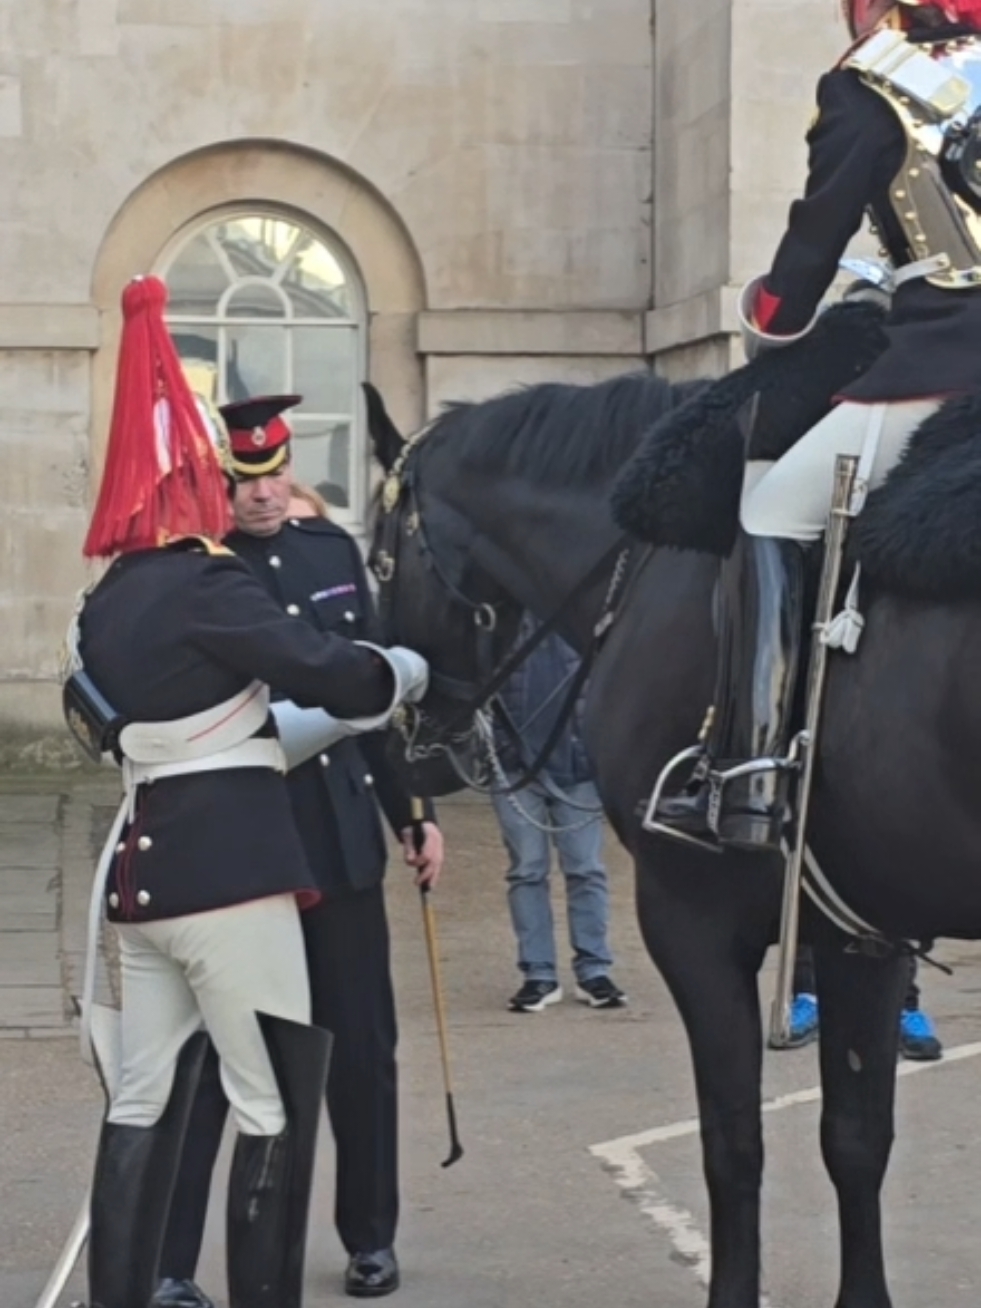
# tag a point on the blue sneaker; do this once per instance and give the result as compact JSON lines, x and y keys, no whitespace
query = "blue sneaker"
{"x":803,"y":1022}
{"x":917,"y":1037}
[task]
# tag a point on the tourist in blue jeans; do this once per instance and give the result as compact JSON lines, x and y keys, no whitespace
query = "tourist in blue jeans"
{"x":560,"y":807}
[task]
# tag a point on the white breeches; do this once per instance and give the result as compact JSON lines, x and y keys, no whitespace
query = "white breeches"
{"x":214,"y":970}
{"x":792,"y":497}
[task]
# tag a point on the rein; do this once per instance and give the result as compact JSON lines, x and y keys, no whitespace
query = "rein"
{"x":617,"y":554}
{"x":399,"y":488}
{"x":601,"y":627}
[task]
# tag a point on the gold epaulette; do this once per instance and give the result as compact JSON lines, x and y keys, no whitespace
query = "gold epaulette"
{"x":210,"y":546}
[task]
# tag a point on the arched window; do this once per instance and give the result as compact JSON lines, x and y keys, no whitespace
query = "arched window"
{"x":261,"y":304}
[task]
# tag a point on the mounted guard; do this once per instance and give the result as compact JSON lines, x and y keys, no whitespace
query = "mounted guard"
{"x":898,"y":137}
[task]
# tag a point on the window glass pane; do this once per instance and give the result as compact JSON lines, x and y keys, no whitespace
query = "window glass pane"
{"x":256,"y":363}
{"x":197,"y":345}
{"x":197,"y":279}
{"x":256,"y":246}
{"x":255,"y":300}
{"x":258,"y":266}
{"x":323,"y":368}
{"x":316,"y":284}
{"x":322,"y":458}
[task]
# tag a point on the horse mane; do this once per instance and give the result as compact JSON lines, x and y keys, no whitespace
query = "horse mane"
{"x":555,"y":432}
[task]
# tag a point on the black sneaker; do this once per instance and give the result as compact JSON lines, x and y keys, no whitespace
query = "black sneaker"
{"x":535,"y":997}
{"x":600,"y":992}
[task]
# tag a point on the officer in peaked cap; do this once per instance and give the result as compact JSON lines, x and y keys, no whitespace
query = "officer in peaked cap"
{"x":313,"y":570}
{"x":259,"y":435}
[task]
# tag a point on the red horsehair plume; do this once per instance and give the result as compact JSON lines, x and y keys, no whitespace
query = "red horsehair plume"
{"x":865,"y":12}
{"x":162,"y":476}
{"x":960,"y":11}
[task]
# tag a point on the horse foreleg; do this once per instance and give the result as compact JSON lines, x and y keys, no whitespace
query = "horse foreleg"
{"x":713,"y":980}
{"x":859,"y":1001}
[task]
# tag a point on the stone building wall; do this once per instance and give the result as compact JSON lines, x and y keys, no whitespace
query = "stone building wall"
{"x":487,"y":162}
{"x":528,"y":189}
{"x":734,"y":94}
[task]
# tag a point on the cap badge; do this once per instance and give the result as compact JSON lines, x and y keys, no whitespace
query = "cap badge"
{"x":259,"y":436}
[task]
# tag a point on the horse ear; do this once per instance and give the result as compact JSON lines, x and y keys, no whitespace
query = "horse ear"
{"x":386,"y":440}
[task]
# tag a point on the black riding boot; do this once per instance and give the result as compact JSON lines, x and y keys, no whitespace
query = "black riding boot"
{"x":189,"y":1206}
{"x":272,"y":1176}
{"x":761,"y":612}
{"x":135,"y":1170}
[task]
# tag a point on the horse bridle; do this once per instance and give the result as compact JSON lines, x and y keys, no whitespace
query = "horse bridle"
{"x":400,"y":503}
{"x":399,"y":497}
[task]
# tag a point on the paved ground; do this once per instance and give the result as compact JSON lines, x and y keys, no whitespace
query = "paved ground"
{"x":580,"y":1184}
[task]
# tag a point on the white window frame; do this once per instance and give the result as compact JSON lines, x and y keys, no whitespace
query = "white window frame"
{"x":354,"y":517}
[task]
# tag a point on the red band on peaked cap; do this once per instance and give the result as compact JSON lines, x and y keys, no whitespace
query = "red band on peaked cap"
{"x":254,"y":425}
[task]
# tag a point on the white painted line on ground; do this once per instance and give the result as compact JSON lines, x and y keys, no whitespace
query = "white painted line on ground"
{"x":642,"y":1185}
{"x":689,"y":1126}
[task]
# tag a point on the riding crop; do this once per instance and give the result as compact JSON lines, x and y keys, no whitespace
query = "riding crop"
{"x":842,"y":511}
{"x":429,"y":926}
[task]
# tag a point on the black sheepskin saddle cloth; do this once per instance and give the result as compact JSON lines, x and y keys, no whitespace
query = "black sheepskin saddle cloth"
{"x":920,"y":532}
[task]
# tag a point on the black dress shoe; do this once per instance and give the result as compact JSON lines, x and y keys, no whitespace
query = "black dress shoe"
{"x":371,"y":1275}
{"x":172,"y":1293}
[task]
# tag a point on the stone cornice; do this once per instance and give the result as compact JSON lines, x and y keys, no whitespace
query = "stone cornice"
{"x":711,"y":314}
{"x":593,"y":332}
{"x":585,"y":332}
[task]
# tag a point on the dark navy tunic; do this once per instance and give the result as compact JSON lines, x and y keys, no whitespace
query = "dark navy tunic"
{"x":857,"y":146}
{"x":171,"y":632}
{"x":314,"y":571}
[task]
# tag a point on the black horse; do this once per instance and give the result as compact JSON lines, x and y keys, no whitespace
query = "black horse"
{"x":502,"y":506}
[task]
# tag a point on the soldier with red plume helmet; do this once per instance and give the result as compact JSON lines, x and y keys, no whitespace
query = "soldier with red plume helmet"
{"x":897,"y":137}
{"x":204,"y":877}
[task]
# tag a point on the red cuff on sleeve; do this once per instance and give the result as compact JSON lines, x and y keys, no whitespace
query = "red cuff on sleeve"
{"x":765,"y":308}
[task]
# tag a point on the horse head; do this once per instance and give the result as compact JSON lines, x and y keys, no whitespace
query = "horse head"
{"x":435,"y":597}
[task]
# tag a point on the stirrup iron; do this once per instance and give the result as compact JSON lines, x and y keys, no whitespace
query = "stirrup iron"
{"x":650,"y":822}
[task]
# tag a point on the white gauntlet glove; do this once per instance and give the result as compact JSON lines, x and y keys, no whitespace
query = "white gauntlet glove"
{"x":411,"y":672}
{"x":306,"y":732}
{"x":755,"y":341}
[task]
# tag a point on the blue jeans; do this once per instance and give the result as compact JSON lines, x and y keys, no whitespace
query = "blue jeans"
{"x":579,"y":852}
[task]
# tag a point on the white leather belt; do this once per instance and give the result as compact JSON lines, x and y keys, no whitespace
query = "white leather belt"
{"x":157,"y":750}
{"x":255,"y":753}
